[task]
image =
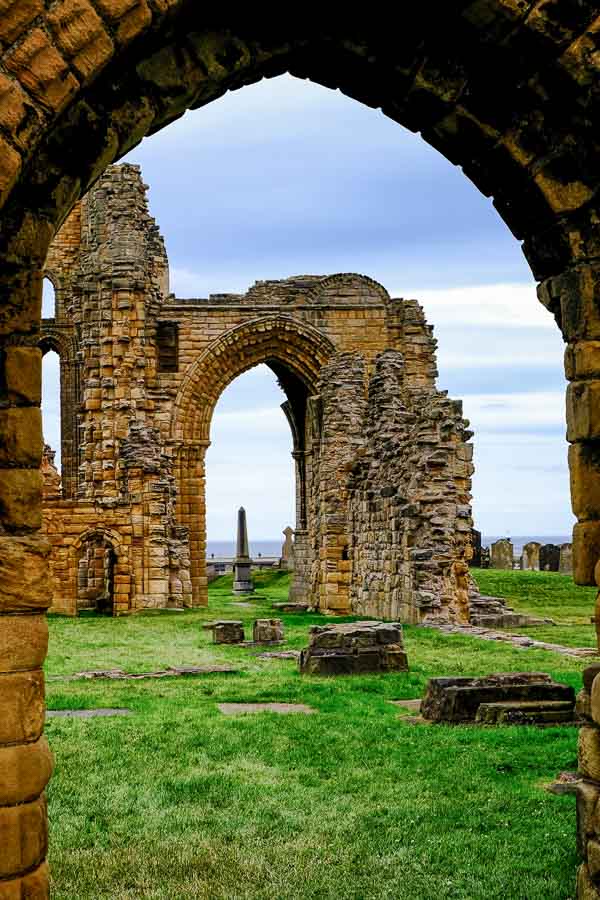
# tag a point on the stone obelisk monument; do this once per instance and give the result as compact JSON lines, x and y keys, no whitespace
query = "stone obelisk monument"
{"x":242,"y":582}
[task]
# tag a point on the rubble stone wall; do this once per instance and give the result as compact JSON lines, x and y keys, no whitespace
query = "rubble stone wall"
{"x":382,"y":461}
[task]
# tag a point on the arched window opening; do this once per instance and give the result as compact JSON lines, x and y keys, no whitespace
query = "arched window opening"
{"x":48,"y":300}
{"x":51,"y":411}
{"x":249,"y":464}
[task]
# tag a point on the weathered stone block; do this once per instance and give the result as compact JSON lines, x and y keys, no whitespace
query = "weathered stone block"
{"x":585,"y":886}
{"x":586,"y":551}
{"x":267,"y":631}
{"x":22,"y":705}
{"x":587,"y":795}
{"x":588,"y":752}
{"x":23,"y":642}
{"x":24,"y":772}
{"x":20,"y":499}
{"x":33,"y":886}
{"x":23,"y":574}
{"x":458,"y":699}
{"x":354,"y":648}
{"x":20,"y":437}
{"x":23,"y":837}
{"x":226,"y":632}
{"x":584,"y":468}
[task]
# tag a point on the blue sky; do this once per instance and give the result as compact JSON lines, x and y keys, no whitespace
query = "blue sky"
{"x":286,"y":177}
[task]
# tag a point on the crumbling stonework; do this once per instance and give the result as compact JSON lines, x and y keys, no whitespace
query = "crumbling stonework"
{"x":382,"y":459}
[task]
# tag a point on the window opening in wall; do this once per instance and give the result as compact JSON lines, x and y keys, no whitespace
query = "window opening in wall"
{"x":51,"y":421}
{"x":48,"y":300}
{"x":167,"y":342}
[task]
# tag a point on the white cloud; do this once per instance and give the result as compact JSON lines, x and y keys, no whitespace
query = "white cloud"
{"x":496,"y":412}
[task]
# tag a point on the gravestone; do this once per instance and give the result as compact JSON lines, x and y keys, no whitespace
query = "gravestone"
{"x":267,"y":631}
{"x":476,"y":545}
{"x":242,"y":581}
{"x":226,"y":631}
{"x":502,"y":554}
{"x":354,"y":648}
{"x":565,"y":563}
{"x":530,"y":556}
{"x":485,"y":558}
{"x":287,"y":550}
{"x":549,"y":558}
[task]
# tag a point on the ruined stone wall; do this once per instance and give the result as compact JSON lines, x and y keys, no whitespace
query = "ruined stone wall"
{"x":383,"y":513}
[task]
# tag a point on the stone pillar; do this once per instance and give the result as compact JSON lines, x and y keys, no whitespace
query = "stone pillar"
{"x":25,"y":760}
{"x":242,"y":581}
{"x":190,"y":511}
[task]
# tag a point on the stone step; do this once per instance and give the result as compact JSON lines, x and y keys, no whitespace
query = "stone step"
{"x":525,"y":712}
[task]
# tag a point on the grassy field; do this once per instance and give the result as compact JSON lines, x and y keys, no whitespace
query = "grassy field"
{"x":547,"y":594}
{"x":179,"y":801}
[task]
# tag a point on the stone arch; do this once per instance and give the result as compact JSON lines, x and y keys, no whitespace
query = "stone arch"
{"x":279,"y":338}
{"x":102,"y":81}
{"x":296,"y":352}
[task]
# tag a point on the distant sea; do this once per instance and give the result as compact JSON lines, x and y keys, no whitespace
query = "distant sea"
{"x":519,"y":540}
{"x":273,"y":548}
{"x":257,"y":548}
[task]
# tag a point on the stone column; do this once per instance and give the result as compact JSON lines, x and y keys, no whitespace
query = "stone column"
{"x":190,"y":511}
{"x":25,"y":760}
{"x":242,"y":581}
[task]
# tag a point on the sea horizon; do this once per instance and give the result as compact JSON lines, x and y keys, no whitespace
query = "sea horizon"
{"x":272,"y":547}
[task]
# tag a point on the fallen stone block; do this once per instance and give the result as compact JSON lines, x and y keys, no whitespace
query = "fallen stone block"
{"x":354,"y":648}
{"x":226,"y":631}
{"x":458,"y":699}
{"x":267,"y":631}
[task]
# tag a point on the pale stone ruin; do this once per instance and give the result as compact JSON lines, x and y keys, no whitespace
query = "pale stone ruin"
{"x":530,"y":556}
{"x":242,"y":578}
{"x":502,"y":554}
{"x":382,"y":458}
{"x":523,"y":698}
{"x":355,"y":648}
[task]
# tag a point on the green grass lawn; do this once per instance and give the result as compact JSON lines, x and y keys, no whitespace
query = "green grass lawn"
{"x":179,"y":801}
{"x":547,"y":594}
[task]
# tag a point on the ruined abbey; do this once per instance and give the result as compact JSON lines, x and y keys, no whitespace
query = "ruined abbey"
{"x":382,"y":459}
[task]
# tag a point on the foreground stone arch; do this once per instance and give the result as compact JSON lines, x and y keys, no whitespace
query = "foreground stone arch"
{"x":98,"y":76}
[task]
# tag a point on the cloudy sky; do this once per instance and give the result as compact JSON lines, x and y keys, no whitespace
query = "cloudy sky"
{"x":286,"y":177}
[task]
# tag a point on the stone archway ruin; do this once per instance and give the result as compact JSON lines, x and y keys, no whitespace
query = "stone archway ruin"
{"x":99,"y":76}
{"x":382,"y":461}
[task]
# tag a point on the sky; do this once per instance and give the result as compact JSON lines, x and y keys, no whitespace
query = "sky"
{"x":286,"y":177}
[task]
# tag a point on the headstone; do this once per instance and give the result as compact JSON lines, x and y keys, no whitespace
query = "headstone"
{"x":267,"y":631}
{"x":226,"y":631}
{"x":549,"y":558}
{"x":287,"y":550}
{"x":530,"y":556}
{"x":566,"y":558}
{"x":476,"y":545}
{"x":242,"y":581}
{"x":502,"y":553}
{"x":485,"y":558}
{"x":354,"y":648}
